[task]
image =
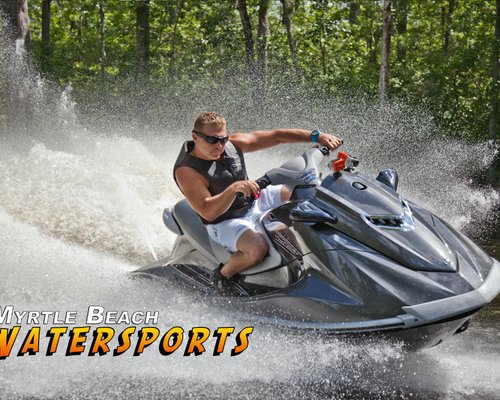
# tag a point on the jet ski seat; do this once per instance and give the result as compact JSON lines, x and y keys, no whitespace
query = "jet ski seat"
{"x":190,"y":225}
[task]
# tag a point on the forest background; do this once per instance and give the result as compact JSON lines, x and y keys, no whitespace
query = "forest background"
{"x":118,"y":56}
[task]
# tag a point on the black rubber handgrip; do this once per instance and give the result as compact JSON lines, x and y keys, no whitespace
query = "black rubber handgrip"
{"x":263,"y":182}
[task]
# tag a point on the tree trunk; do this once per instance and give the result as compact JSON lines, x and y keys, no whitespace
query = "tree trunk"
{"x":17,"y":70}
{"x":17,"y":11}
{"x":176,"y":13}
{"x":161,"y":34}
{"x":262,"y":35}
{"x":448,"y":17}
{"x":372,"y":42}
{"x":383,"y":85}
{"x":287,"y":21}
{"x":247,"y":32}
{"x":142,"y":38}
{"x":495,"y":93}
{"x":354,"y":9}
{"x":322,"y":48}
{"x":401,"y":8}
{"x":102,"y":31}
{"x":80,"y":24}
{"x":46,"y":30}
{"x":323,"y":36}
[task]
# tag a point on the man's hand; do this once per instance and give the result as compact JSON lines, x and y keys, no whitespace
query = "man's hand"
{"x":248,"y":188}
{"x":330,"y":141}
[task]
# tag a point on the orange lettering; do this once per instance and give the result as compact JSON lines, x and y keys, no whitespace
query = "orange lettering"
{"x":146,"y":337}
{"x":177,"y":333}
{"x":124,"y":341}
{"x":77,"y":337}
{"x":197,"y":336}
{"x":242,"y":341}
{"x":99,"y":345}
{"x":7,"y":339}
{"x":31,"y":343}
{"x":54,"y":334}
{"x":221,"y":334}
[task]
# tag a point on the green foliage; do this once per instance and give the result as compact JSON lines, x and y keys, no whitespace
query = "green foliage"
{"x":196,"y":43}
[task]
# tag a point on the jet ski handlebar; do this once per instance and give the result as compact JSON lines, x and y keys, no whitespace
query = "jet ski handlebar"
{"x":303,"y":169}
{"x":263,"y":182}
{"x":299,"y":170}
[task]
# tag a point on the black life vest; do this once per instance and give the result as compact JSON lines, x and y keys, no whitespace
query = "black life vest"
{"x":220,"y":174}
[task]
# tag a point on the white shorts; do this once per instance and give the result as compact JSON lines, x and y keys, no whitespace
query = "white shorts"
{"x":227,"y":232}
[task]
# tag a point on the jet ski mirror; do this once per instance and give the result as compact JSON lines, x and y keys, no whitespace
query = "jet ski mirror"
{"x":389,"y":177}
{"x":307,"y":212}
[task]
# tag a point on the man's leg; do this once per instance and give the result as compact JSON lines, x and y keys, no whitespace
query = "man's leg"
{"x":285,"y":194}
{"x":251,"y":249}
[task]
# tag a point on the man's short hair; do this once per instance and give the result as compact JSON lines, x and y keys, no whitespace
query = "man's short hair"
{"x":209,"y":118}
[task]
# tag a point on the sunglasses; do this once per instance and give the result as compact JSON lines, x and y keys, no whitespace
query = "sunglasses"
{"x":212,"y":139}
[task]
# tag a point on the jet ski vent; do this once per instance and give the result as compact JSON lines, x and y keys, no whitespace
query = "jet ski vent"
{"x":387,"y":221}
{"x":403,"y":221}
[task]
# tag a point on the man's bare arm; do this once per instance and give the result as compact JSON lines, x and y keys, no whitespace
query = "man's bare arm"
{"x":258,"y":140}
{"x":195,"y":188}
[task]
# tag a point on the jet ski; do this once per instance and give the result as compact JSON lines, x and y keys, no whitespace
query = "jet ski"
{"x":348,"y":255}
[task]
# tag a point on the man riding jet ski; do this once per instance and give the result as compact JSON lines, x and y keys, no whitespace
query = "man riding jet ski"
{"x":345,"y":255}
{"x":210,"y":171}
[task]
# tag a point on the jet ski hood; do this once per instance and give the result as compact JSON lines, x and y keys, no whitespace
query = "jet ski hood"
{"x":377,"y":216}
